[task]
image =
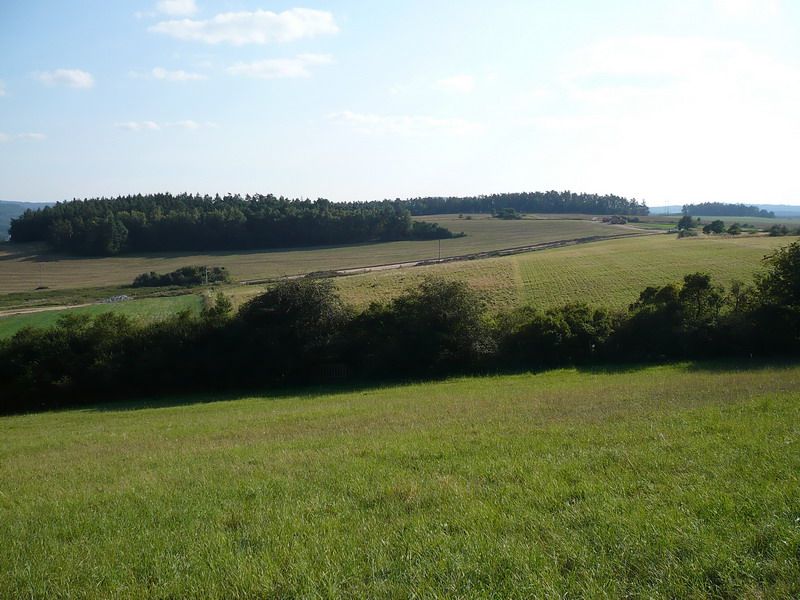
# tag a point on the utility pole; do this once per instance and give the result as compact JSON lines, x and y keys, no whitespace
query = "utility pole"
{"x":440,"y":248}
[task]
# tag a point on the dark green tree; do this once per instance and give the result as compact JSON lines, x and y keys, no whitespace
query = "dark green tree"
{"x":714,"y":227}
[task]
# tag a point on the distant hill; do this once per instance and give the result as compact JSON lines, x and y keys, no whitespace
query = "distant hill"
{"x":10,"y":210}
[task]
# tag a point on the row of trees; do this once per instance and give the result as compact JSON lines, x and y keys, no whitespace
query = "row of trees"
{"x":300,"y":331}
{"x":686,"y":224}
{"x":529,"y":202}
{"x":163,"y":222}
{"x":723,"y":209}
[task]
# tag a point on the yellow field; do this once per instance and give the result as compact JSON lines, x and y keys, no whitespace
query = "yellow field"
{"x":25,"y":267}
{"x":605,"y":273}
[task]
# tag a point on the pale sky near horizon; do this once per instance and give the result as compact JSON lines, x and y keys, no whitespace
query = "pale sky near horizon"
{"x":668,"y":101}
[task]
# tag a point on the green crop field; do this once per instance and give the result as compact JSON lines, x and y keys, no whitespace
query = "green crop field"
{"x":149,"y":309}
{"x":25,"y":267}
{"x":606,"y":273}
{"x":664,"y":482}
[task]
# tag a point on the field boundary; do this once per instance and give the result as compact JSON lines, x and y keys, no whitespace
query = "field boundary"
{"x":449,"y":259}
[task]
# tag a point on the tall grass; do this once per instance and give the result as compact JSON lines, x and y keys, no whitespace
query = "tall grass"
{"x":677,"y":481}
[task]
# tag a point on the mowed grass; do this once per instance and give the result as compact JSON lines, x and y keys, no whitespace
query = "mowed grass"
{"x":26,"y":267}
{"x":665,"y":482}
{"x":146,"y":310}
{"x":607,"y":273}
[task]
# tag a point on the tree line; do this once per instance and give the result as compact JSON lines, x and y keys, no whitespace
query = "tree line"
{"x":163,"y":222}
{"x":529,"y":202}
{"x":300,"y":331}
{"x":185,"y":222}
{"x":722,"y":209}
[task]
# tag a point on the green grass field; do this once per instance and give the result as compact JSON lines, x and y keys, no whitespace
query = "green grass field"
{"x":26,"y":267}
{"x":665,"y":482}
{"x":148,"y":310}
{"x":605,"y":273}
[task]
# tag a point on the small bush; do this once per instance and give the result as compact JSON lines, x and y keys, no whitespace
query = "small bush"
{"x":183,"y":277}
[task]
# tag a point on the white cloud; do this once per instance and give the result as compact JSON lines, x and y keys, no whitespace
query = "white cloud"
{"x":461,"y":84}
{"x":281,"y":68}
{"x":74,"y":78}
{"x":186,"y":124}
{"x":406,"y":125}
{"x":176,"y":8}
{"x":748,"y":9}
{"x":138,"y":126}
{"x":179,"y":75}
{"x":29,"y":136}
{"x":256,"y":27}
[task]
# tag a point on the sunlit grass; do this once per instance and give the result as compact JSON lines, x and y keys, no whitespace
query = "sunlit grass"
{"x":606,"y":273}
{"x":664,"y":482}
{"x":146,"y":310}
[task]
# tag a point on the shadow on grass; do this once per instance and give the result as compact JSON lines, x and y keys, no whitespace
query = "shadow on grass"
{"x":306,"y":392}
{"x":717,"y":365}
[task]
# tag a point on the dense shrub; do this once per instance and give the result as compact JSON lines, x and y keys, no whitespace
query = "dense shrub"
{"x":716,"y":226}
{"x":439,"y":327}
{"x":183,"y":277}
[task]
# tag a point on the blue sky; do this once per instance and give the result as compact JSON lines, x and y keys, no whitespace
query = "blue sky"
{"x":668,"y":101}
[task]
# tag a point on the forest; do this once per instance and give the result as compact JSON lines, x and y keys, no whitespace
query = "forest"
{"x":529,"y":202}
{"x":300,"y":331}
{"x":163,"y":222}
{"x":722,"y":209}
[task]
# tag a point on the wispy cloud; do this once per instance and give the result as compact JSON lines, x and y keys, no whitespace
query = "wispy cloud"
{"x":407,"y":125}
{"x":748,"y":9}
{"x":281,"y":68}
{"x":138,"y":126}
{"x":179,"y":75}
{"x":256,"y":27}
{"x":30,"y":136}
{"x":176,"y":8}
{"x":462,"y":84}
{"x":186,"y":124}
{"x":74,"y":78}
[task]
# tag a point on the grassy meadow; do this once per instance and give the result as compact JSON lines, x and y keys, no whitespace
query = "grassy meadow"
{"x":147,"y":309}
{"x":664,"y":482}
